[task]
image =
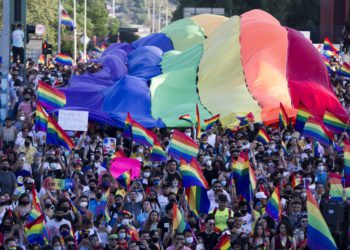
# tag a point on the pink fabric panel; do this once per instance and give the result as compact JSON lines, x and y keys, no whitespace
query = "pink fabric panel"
{"x":308,"y":78}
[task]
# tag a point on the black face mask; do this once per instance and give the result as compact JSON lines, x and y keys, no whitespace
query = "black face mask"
{"x":98,"y":195}
{"x":27,"y":99}
{"x":59,"y":217}
{"x":26,"y":144}
{"x":244,"y":211}
{"x":166,"y":143}
{"x":118,"y":204}
{"x":192,"y":224}
{"x":230,"y":225}
{"x":155,"y":239}
{"x":65,"y":209}
{"x":48,"y":205}
{"x":7,"y":228}
{"x":25,"y":202}
{"x":92,"y":188}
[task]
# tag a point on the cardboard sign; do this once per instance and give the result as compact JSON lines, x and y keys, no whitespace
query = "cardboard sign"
{"x":58,"y":184}
{"x":73,"y":120}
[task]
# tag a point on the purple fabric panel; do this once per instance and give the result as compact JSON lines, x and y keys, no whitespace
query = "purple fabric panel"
{"x":159,"y":40}
{"x":114,"y":66}
{"x":143,"y":62}
{"x":129,"y":94}
{"x":114,"y":46}
{"x":77,"y":81}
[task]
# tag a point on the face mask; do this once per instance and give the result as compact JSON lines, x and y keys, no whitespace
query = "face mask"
{"x":140,"y":150}
{"x":320,"y":168}
{"x":166,"y":143}
{"x":188,"y":134}
{"x":244,"y":211}
{"x":22,"y":118}
{"x":121,"y":235}
{"x":189,"y":240}
{"x":272,"y":147}
{"x":25,"y":202}
{"x":65,"y":209}
{"x":119,"y":204}
{"x":98,"y":195}
{"x":26,"y":144}
{"x":105,"y":184}
{"x":57,"y":248}
{"x":155,"y":239}
{"x":156,"y":182}
{"x":208,"y":163}
{"x":287,"y":137}
{"x":303,"y":195}
{"x":230,"y":225}
{"x":92,"y":189}
{"x":53,"y":165}
{"x":175,"y":183}
{"x":83,"y":204}
{"x":146,"y":174}
{"x":125,"y":222}
{"x":59,"y":217}
{"x":47,"y":205}
{"x":65,"y":233}
{"x":223,"y":183}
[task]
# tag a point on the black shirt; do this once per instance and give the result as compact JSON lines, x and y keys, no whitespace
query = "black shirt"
{"x":210,"y":240}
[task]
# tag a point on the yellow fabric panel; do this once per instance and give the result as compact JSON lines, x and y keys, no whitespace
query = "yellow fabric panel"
{"x":209,"y":22}
{"x":221,"y":83}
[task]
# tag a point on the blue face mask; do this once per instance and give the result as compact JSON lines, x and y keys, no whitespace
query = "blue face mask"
{"x":65,"y":233}
{"x":156,"y":182}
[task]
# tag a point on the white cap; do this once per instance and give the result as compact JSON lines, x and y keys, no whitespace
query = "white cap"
{"x":260,"y":195}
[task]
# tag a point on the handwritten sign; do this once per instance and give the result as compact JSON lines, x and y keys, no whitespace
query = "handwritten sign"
{"x":73,"y":120}
{"x":109,"y":145}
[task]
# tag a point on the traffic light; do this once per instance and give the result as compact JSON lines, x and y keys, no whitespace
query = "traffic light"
{"x":46,"y":48}
{"x":30,"y":30}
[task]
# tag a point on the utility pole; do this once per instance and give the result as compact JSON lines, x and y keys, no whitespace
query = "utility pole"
{"x":159,"y":14}
{"x":113,"y":8}
{"x":85,"y":6}
{"x":153,"y":16}
{"x":166,"y":12}
{"x":5,"y":49}
{"x":75,"y":30}
{"x":59,"y":27}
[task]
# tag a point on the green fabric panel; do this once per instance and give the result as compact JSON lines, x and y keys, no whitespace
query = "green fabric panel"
{"x":184,"y":34}
{"x":174,"y":93}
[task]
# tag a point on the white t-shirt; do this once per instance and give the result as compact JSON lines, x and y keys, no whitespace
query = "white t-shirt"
{"x":247,"y":223}
{"x":17,"y":38}
{"x":53,"y":226}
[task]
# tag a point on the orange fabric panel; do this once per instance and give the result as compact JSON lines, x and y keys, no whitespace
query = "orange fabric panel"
{"x":264,"y":46}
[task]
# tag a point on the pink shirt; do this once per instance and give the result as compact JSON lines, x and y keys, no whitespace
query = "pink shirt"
{"x":26,"y":108}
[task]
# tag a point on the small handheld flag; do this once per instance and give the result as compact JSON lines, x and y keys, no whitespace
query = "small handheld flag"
{"x":141,"y":135}
{"x":328,"y":45}
{"x":319,"y":236}
{"x":317,"y":131}
{"x":57,"y":136}
{"x":198,"y":123}
{"x":158,"y":153}
{"x":186,"y":118}
{"x":192,"y":175}
{"x":49,"y":97}
{"x":211,"y":121}
{"x":179,"y":222}
{"x":273,"y":206}
{"x":283,"y":118}
{"x":263,"y":137}
{"x":127,"y":126}
{"x":333,"y":123}
{"x":41,"y":118}
{"x":182,"y":147}
{"x":347,"y":163}
{"x":66,"y":20}
{"x":64,"y":59}
{"x":302,"y":115}
{"x":344,"y":70}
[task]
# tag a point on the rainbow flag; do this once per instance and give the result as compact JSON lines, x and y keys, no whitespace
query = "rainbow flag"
{"x":328,"y":64}
{"x":224,"y":243}
{"x":302,"y":115}
{"x":49,"y":97}
{"x":333,"y":123}
{"x":36,"y":232}
{"x":158,"y":153}
{"x":179,"y":222}
{"x":211,"y":121}
{"x":347,"y":193}
{"x":141,"y":135}
{"x":246,"y":120}
{"x":98,"y":49}
{"x":329,"y":54}
{"x":124,"y":179}
{"x":273,"y":205}
{"x":241,"y":175}
{"x":192,"y":175}
{"x":284,"y":148}
{"x":127,"y":126}
{"x":282,"y":118}
{"x":41,"y":118}
{"x":63,"y":59}
{"x":263,"y":137}
{"x":57,"y":136}
{"x":118,"y":153}
{"x":319,"y":236}
{"x":198,"y":123}
{"x":347,"y":163}
{"x":317,"y":131}
{"x":344,"y":70}
{"x":197,"y":199}
{"x":182,"y":147}
{"x":41,"y":59}
{"x":75,"y":208}
{"x":328,"y":45}
{"x":186,"y":118}
{"x":66,"y":20}
{"x":336,"y":188}
{"x":252,"y":178}
{"x":296,"y":181}
{"x":36,"y":209}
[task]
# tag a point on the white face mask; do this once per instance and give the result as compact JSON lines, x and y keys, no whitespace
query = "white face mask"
{"x":22,"y":118}
{"x":320,"y":168}
{"x":122,"y":235}
{"x":125,"y":222}
{"x":189,"y":240}
{"x":208,"y":163}
{"x":146,"y":174}
{"x":223,"y":183}
{"x":57,"y":248}
{"x":140,"y":150}
{"x":83,"y":204}
{"x":53,"y":165}
{"x":188,"y":134}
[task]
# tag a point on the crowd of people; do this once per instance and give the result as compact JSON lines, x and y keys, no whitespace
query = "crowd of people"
{"x":141,"y":214}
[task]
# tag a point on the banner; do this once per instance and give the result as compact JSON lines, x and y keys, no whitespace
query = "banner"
{"x":58,"y":184}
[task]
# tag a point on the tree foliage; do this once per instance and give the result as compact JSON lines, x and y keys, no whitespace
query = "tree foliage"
{"x":298,"y":14}
{"x":46,"y":12}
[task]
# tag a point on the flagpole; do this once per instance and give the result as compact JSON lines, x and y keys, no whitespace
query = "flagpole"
{"x":153,"y":15}
{"x":85,"y":6}
{"x":159,"y":14}
{"x":59,"y":28}
{"x":166,"y":12}
{"x":75,"y":30}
